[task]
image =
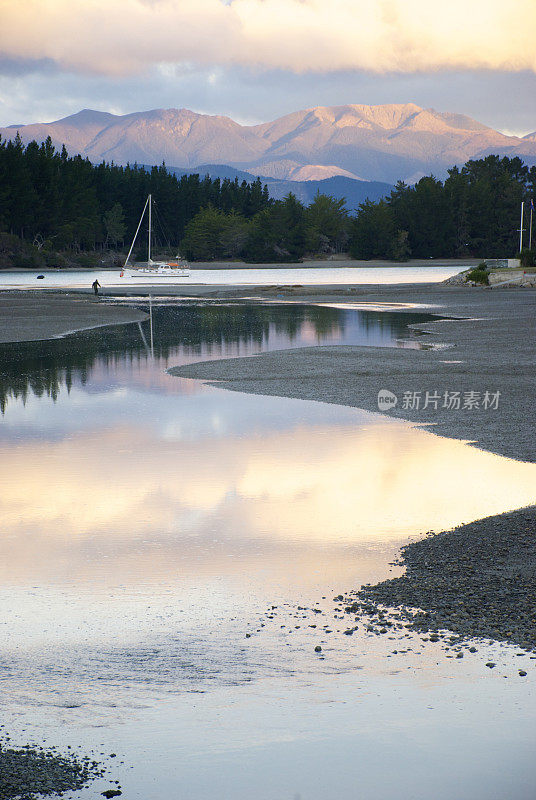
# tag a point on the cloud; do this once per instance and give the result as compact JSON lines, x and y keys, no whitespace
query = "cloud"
{"x":119,"y":37}
{"x":16,"y":67}
{"x":250,"y":98}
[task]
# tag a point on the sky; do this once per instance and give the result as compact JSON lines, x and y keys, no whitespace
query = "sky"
{"x":255,"y":60}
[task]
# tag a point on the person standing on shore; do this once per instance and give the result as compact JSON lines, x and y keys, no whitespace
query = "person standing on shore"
{"x":95,"y":286}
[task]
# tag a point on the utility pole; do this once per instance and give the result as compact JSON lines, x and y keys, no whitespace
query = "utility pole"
{"x":530,"y":225}
{"x":521,"y":228}
{"x":151,"y":323}
{"x":150,"y":200}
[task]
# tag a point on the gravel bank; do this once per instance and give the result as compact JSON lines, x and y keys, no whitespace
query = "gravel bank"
{"x":477,"y":581}
{"x":491,"y":348}
{"x":30,"y":771}
{"x":34,"y":316}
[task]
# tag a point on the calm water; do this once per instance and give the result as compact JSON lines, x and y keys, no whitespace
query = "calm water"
{"x":193,"y":331}
{"x":252,"y":276}
{"x":150,"y":526}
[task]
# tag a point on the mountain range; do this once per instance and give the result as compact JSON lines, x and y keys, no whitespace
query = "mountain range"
{"x":351,"y":143}
{"x":353,"y":191}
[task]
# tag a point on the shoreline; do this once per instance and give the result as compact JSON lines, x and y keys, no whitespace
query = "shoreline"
{"x":313,"y":263}
{"x":486,"y":343}
{"x":489,"y":347}
{"x":478,"y":580}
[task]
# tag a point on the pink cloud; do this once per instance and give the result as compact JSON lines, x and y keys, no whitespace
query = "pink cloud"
{"x":126,"y":36}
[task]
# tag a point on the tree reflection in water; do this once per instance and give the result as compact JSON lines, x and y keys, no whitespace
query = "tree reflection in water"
{"x":185,"y":332}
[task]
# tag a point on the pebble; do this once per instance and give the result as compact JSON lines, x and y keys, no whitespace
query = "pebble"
{"x":31,"y":771}
{"x":478,"y":581}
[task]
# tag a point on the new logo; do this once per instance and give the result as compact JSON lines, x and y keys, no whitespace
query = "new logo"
{"x":386,"y":400}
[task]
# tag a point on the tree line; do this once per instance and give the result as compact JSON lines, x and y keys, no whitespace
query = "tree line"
{"x":475,"y":212}
{"x":53,"y":203}
{"x":285,"y":230}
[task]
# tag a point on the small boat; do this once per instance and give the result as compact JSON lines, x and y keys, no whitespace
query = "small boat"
{"x":178,"y":268}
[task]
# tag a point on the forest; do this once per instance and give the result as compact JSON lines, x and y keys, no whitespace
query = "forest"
{"x":474,"y":212}
{"x":57,"y":210}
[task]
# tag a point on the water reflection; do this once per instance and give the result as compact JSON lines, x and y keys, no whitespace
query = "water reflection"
{"x":184,"y":333}
{"x":148,"y":524}
{"x":129,"y":505}
{"x":137,"y":552}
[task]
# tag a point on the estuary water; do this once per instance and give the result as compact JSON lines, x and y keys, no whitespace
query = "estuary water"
{"x":309,"y":275}
{"x":169,"y":557}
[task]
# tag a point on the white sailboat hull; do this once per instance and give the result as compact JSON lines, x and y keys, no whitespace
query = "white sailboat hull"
{"x":154,"y":272}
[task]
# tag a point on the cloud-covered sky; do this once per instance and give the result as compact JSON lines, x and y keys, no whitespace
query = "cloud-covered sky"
{"x":258,"y":59}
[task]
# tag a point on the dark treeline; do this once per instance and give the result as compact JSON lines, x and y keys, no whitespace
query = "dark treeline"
{"x":51,"y":204}
{"x":283,"y":231}
{"x":56,"y":202}
{"x":474,"y":212}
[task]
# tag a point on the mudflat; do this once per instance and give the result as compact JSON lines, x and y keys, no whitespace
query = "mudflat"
{"x":34,"y":316}
{"x":486,"y":345}
{"x":477,"y":581}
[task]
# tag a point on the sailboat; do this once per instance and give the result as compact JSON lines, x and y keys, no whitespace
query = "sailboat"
{"x":179,"y":268}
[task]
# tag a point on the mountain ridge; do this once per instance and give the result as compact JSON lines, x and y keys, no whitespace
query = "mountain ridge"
{"x":386,"y":143}
{"x":351,"y":190}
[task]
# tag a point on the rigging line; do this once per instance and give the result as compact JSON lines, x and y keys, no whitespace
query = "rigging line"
{"x":160,"y":223}
{"x":144,"y":340}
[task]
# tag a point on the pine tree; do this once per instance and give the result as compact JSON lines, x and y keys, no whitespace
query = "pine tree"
{"x":114,"y":225}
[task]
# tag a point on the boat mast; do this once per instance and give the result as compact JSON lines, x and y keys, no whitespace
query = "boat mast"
{"x":137,"y":231}
{"x":150,"y":201}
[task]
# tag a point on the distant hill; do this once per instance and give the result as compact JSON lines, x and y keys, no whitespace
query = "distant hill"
{"x":382,"y":143}
{"x":353,"y":191}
